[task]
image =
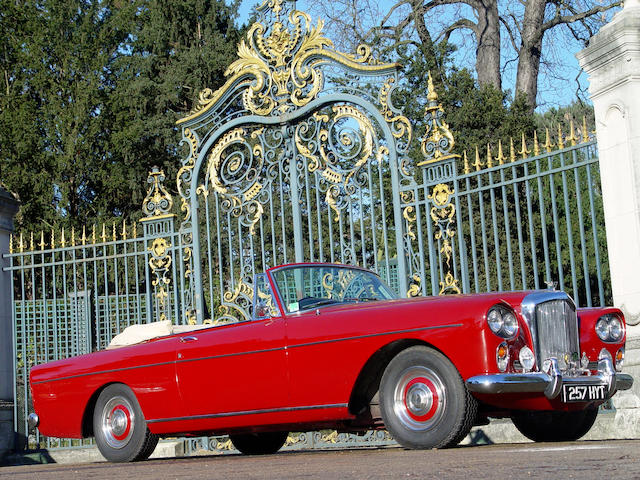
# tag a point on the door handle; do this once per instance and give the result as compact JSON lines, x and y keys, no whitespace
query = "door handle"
{"x":188,"y":339}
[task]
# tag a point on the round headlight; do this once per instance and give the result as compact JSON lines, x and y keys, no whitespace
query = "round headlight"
{"x":502,"y":322}
{"x":615,"y":329}
{"x":527,"y":359}
{"x":510,"y":326}
{"x":609,"y":328}
{"x":494,"y":319}
{"x":602,"y":329}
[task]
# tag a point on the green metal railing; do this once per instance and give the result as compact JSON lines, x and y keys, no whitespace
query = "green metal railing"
{"x":72,"y":298}
{"x":539,"y":220}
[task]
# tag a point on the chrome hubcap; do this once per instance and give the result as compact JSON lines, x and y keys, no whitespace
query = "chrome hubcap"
{"x":419,"y":398}
{"x":117,"y":422}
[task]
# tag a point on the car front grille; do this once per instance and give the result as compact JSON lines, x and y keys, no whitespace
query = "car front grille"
{"x":557,"y":333}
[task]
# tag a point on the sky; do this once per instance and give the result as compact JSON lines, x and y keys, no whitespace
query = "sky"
{"x":552,"y":91}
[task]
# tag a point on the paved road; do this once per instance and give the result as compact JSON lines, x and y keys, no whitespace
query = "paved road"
{"x":613,"y":460}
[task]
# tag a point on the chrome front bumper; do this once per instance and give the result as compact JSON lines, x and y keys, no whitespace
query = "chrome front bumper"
{"x":549,"y":382}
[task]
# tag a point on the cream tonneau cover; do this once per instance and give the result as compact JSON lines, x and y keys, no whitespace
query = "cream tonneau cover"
{"x":141,"y":333}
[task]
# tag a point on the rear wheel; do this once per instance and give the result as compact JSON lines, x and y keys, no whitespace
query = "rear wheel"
{"x":259,"y":443}
{"x":555,"y":426}
{"x":120,"y":428}
{"x":423,"y":400}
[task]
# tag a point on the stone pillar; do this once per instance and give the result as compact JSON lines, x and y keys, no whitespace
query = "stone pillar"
{"x":612,"y":61}
{"x":8,"y":209}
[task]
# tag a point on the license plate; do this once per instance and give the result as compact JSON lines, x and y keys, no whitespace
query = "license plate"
{"x":583,"y":393}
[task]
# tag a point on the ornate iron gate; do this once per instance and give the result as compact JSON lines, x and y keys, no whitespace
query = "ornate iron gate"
{"x":294,"y":159}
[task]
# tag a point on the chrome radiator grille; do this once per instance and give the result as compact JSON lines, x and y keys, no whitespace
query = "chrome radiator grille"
{"x":557,"y":332}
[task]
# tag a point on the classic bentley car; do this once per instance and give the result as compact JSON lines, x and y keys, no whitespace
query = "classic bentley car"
{"x":331,"y":346}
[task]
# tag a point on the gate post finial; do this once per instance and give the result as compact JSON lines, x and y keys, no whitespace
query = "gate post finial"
{"x":440,"y":163}
{"x":438,"y":141}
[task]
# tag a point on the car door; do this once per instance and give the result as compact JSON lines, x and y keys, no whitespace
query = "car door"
{"x":326,"y":346}
{"x":235,"y":369}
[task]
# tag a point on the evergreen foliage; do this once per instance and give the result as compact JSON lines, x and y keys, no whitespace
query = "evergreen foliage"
{"x":91,"y":92}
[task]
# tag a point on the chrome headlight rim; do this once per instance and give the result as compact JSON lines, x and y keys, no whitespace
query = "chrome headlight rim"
{"x":609,"y":328}
{"x":502,"y":321}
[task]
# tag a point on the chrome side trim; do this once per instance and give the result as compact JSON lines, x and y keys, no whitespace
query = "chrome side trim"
{"x":248,"y":412}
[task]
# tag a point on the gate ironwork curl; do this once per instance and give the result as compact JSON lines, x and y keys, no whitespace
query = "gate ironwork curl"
{"x":299,"y":156}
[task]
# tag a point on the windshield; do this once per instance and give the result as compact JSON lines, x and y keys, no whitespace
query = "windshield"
{"x":311,"y":286}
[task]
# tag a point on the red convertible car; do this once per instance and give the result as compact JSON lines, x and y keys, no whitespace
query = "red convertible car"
{"x":330,"y":346}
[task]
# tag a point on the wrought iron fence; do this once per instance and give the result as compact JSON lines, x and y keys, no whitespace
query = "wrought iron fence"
{"x":523,"y":224}
{"x":72,"y":294}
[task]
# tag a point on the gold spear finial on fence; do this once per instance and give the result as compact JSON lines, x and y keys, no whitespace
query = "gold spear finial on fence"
{"x":63,"y":242}
{"x":104,"y":233}
{"x":560,"y":138}
{"x":536,"y":148}
{"x":31,"y":247}
{"x":73,"y":236}
{"x":83,"y":240}
{"x":467,"y":169}
{"x":572,"y":137}
{"x":501,"y":158}
{"x":524,"y":151}
{"x":432,"y":96}
{"x":53,"y":239}
{"x":512,"y":151}
{"x":11,"y":243}
{"x":21,"y":246}
{"x":489,"y":158}
{"x":585,"y":133}
{"x":134,"y":229}
{"x":93,"y":234}
{"x":478,"y":164}
{"x":547,"y":143}
{"x":124,"y":229}
{"x":42,"y":244}
{"x":114,"y":235}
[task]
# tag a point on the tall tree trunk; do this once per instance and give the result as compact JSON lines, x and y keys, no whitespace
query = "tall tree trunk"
{"x":530,"y":50}
{"x":488,"y":40}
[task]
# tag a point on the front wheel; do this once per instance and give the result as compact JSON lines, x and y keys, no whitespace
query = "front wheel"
{"x":555,"y":426}
{"x":120,"y":428}
{"x":259,"y":443}
{"x":423,"y":400}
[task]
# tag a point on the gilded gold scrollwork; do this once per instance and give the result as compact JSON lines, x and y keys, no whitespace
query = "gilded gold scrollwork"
{"x":414,"y":287}
{"x":400,"y":124}
{"x":331,"y":165}
{"x":228,"y":163}
{"x":158,"y":202}
{"x":442,"y":214}
{"x":231,"y":304}
{"x":279,"y":65}
{"x":160,"y":263}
